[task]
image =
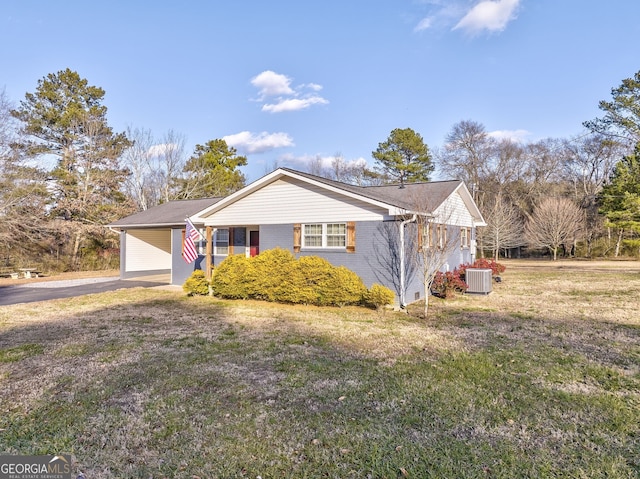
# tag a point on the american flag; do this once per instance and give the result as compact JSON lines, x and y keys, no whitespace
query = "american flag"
{"x":189,"y":252}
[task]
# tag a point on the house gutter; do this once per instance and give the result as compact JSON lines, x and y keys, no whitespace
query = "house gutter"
{"x":403,"y":303}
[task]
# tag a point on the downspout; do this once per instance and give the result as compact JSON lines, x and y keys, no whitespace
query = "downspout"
{"x":403,"y":303}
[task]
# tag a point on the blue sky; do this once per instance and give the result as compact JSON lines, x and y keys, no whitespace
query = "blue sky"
{"x":287,"y":81}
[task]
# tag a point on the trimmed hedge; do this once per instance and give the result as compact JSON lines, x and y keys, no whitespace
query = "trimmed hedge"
{"x":275,"y":275}
{"x":231,"y":279}
{"x":379,"y":296}
{"x":196,"y":284}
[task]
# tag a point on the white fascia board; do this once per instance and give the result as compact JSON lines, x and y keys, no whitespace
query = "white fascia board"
{"x":148,"y":226}
{"x":471,"y":205}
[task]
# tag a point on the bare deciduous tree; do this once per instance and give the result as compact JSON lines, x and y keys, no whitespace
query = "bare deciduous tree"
{"x":505,"y":228}
{"x":467,"y":154}
{"x":436,"y":238}
{"x":170,"y":159}
{"x":386,"y":262}
{"x":136,"y":159}
{"x":23,"y":194}
{"x":554,"y":222}
{"x":155,"y":167}
{"x":437,"y":242}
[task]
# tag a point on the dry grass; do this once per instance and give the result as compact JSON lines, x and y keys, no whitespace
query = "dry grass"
{"x":539,"y":379}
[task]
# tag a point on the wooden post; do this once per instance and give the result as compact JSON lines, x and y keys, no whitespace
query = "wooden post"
{"x":208,"y":265}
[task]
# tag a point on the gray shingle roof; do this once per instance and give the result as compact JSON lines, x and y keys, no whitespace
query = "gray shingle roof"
{"x":425,"y":196}
{"x":172,"y":213}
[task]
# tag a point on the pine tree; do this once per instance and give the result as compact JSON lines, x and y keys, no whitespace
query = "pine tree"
{"x":66,"y":120}
{"x":620,"y":199}
{"x":404,"y":156}
{"x":212,"y":171}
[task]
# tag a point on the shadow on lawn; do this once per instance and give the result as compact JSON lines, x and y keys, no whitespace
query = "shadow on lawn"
{"x":160,"y":385}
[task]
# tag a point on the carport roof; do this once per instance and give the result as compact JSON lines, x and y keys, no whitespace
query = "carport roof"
{"x":173,"y":213}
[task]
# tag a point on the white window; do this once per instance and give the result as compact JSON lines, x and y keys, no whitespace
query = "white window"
{"x":427,"y":237}
{"x":336,"y":235}
{"x":324,"y":235}
{"x":441,"y":236}
{"x":201,"y":244}
{"x":221,"y":242}
{"x":464,"y":237}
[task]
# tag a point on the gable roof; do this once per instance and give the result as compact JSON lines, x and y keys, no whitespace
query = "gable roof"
{"x":397,"y":200}
{"x":393,"y":194}
{"x":425,"y":197}
{"x":172,"y":213}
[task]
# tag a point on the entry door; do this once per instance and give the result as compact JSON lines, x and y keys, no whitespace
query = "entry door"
{"x":254,"y":243}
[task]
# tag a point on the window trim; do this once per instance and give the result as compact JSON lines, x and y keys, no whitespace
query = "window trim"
{"x":441,"y":232}
{"x":215,"y":241}
{"x":464,"y":238}
{"x":324,"y":236}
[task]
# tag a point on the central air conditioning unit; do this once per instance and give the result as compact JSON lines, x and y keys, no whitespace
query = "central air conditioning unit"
{"x":478,"y":280}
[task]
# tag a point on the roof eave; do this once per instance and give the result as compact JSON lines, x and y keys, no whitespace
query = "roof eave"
{"x":149,"y":225}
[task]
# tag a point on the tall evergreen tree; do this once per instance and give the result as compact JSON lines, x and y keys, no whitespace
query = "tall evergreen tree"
{"x":620,"y":199}
{"x":404,"y":157}
{"x":66,"y":120}
{"x":212,"y":171}
{"x":622,"y":114}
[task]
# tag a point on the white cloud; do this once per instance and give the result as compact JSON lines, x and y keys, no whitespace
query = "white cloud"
{"x":441,"y":14}
{"x":293,"y":104}
{"x":272,"y":84}
{"x":490,"y":15}
{"x":314,"y":86}
{"x":247,"y":142}
{"x":302,"y":162}
{"x":424,"y":24}
{"x":513,"y":135}
{"x":161,"y":149}
{"x":282,"y":96}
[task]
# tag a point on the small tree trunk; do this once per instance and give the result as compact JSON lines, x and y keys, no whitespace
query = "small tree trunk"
{"x":618,"y":242}
{"x":427,"y":293}
{"x":76,"y":250}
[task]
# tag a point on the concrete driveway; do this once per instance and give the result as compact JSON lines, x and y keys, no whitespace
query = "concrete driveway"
{"x":45,"y":291}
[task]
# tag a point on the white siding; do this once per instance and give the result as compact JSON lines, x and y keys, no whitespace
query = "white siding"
{"x":288,"y":200}
{"x":148,"y":250}
{"x":454,"y":212}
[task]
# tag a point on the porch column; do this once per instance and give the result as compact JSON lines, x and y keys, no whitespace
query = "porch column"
{"x":208,"y":257}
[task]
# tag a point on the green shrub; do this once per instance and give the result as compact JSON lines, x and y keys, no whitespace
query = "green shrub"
{"x":232,"y":278}
{"x":269,"y":277}
{"x":379,"y":296}
{"x":196,"y":284}
{"x":342,"y":287}
{"x":631,"y":247}
{"x":323,"y":284}
{"x":275,"y":275}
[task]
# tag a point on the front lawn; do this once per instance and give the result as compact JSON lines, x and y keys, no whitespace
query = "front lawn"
{"x":539,"y":379}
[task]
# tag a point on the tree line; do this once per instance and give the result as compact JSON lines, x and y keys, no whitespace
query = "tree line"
{"x":65,"y":174}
